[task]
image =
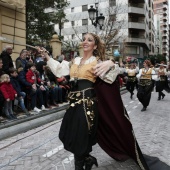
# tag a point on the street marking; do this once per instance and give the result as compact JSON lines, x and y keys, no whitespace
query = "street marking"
{"x":131,"y":102}
{"x":136,"y":99}
{"x":135,"y":107}
{"x":126,"y":105}
{"x":139,"y":103}
{"x":129,"y":112}
{"x":54,"y":151}
{"x":64,"y":163}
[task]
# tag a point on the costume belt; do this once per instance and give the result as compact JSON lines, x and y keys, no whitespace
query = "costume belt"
{"x":79,"y":97}
{"x":162,"y":78}
{"x":145,"y":82}
{"x":131,"y":78}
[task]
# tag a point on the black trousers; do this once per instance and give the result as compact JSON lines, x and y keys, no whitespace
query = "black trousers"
{"x":144,"y":94}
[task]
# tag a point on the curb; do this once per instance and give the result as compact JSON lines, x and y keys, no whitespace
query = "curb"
{"x":12,"y":128}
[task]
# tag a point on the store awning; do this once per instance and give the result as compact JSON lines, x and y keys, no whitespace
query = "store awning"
{"x":16,"y":3}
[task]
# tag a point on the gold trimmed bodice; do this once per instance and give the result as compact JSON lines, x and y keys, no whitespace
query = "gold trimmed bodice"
{"x":147,"y":74}
{"x":84,"y":71}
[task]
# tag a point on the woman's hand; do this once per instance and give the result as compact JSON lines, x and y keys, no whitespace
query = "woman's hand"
{"x":102,"y":68}
{"x":43,"y":51}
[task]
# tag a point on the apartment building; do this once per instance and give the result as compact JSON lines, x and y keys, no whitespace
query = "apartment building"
{"x":137,"y":29}
{"x":161,"y":9}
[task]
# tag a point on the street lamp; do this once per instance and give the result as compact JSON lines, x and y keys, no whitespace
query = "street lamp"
{"x":95,"y":19}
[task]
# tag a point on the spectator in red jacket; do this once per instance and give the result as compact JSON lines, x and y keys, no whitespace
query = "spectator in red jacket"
{"x":32,"y":77}
{"x":9,"y":94}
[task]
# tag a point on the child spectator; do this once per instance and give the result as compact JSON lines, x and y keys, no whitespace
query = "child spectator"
{"x":9,"y":94}
{"x":33,"y":78}
{"x":20,"y":94}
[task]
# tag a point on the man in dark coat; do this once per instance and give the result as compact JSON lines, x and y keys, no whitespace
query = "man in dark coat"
{"x":7,"y":59}
{"x":1,"y":96}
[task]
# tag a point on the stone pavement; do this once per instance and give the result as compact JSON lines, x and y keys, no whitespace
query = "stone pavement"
{"x":41,"y":149}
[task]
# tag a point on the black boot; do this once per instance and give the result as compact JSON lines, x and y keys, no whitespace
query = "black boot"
{"x":79,"y":163}
{"x":131,"y":96}
{"x":163,"y":95}
{"x":89,"y":162}
{"x":143,"y":109}
{"x":159,"y":95}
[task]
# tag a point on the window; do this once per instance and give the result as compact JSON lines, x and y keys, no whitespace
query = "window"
{"x":72,"y":23}
{"x":72,"y":9}
{"x":112,"y":17}
{"x":112,"y":2}
{"x":73,"y":36}
{"x":84,"y":8}
{"x":131,"y":50}
{"x":84,"y":21}
{"x":83,"y":34}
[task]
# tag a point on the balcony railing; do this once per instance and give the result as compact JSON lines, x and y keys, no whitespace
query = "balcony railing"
{"x":136,"y":20}
{"x":137,"y":36}
{"x":136,"y":5}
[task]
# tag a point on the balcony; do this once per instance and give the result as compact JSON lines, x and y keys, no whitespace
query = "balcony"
{"x":165,"y":7}
{"x":138,"y":39}
{"x":134,"y":8}
{"x":165,"y":51}
{"x":164,"y":41}
{"x":165,"y":18}
{"x":165,"y":46}
{"x":165,"y":13}
{"x":136,"y":25}
{"x":164,"y":35}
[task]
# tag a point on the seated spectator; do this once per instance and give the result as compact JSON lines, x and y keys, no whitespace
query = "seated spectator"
{"x":64,"y":84}
{"x":21,"y":60}
{"x":41,"y":70}
{"x":20,"y":94}
{"x":9,"y":94}
{"x":55,"y":89}
{"x":38,"y":88}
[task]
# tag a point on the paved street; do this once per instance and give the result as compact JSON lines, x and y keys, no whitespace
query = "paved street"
{"x":41,"y":149}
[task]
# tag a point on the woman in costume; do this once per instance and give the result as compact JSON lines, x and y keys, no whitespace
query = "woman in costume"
{"x":162,"y":80}
{"x":79,"y":126}
{"x":145,"y":77}
{"x":131,"y":81}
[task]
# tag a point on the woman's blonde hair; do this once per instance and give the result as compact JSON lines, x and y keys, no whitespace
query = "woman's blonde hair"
{"x":4,"y":78}
{"x":100,"y":50}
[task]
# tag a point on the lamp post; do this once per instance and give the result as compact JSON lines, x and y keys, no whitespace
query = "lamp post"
{"x":95,"y":19}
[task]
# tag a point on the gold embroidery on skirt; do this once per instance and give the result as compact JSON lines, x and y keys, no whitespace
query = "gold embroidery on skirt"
{"x":78,"y":97}
{"x":136,"y":151}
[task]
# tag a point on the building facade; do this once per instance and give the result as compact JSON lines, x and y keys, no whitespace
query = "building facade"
{"x":135,"y":17}
{"x":12,"y":25}
{"x":161,"y":10}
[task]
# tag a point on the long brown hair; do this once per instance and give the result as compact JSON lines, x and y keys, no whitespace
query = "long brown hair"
{"x":100,"y":50}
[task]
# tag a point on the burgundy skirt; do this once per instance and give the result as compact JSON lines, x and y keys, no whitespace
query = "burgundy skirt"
{"x":115,"y":133}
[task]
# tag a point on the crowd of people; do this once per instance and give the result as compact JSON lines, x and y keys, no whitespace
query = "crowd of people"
{"x":29,"y":81}
{"x":147,"y":79}
{"x":96,"y":113}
